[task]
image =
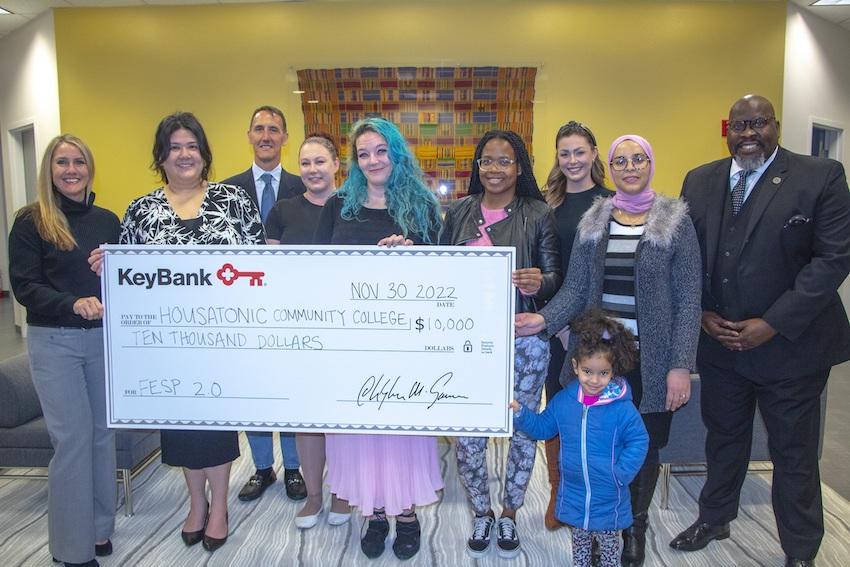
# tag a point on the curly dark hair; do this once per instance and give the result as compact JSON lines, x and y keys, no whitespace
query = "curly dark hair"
{"x":526,"y":184}
{"x":617,"y":344}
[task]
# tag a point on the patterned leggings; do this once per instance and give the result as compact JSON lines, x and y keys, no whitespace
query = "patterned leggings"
{"x":531,"y":359}
{"x":609,"y":547}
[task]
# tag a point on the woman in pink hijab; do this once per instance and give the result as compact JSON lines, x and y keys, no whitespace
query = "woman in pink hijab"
{"x":636,"y":256}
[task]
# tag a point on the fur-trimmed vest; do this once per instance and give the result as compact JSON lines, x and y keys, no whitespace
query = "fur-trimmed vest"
{"x":667,"y":290}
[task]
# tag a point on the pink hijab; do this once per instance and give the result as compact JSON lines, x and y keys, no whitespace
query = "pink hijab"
{"x":641,"y":202}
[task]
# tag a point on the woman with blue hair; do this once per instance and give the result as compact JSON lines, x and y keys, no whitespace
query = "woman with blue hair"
{"x":384,"y":202}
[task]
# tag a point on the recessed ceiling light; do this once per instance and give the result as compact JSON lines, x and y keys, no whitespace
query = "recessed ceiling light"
{"x":314,"y":101}
{"x":298,"y":92}
{"x":831,"y":3}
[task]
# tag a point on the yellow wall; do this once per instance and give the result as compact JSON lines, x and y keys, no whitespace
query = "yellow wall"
{"x":668,"y":71}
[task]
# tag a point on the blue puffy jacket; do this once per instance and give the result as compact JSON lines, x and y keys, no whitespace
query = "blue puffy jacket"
{"x":602,"y":448}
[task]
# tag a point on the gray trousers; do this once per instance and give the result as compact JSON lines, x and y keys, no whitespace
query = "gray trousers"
{"x":531,"y":360}
{"x":68,"y":374}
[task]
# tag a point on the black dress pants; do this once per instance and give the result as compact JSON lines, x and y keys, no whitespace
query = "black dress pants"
{"x":791,"y":412}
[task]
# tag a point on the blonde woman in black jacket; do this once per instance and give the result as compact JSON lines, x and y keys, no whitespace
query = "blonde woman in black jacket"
{"x":505,"y":208}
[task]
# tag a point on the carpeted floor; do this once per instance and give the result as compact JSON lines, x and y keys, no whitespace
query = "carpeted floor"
{"x":262,"y":533}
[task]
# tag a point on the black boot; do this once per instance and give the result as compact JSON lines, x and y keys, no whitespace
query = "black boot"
{"x":634,"y":538}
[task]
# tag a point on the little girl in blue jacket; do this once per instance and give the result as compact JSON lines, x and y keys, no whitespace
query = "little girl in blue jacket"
{"x":603,"y":439}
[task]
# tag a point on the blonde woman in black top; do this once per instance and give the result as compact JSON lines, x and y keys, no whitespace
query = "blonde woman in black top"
{"x":49,"y":245}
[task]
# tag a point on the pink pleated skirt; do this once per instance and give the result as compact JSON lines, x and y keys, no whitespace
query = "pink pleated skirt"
{"x":393,"y":472}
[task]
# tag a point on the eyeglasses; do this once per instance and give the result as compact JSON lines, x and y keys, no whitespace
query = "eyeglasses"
{"x":501,"y":163}
{"x":755,"y":123}
{"x":638,"y":161}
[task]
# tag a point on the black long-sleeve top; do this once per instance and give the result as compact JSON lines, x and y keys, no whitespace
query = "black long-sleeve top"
{"x":46,"y":280}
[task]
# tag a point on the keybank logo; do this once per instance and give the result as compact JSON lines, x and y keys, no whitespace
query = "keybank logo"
{"x":163,"y":277}
{"x":227,"y":274}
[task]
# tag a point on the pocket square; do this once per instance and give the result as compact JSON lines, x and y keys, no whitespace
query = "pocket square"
{"x":797,"y":220}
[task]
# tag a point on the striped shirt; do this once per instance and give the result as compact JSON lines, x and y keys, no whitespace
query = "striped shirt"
{"x":618,"y":284}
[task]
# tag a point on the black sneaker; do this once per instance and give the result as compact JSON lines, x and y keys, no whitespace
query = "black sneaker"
{"x":477,"y":545}
{"x":407,"y":536}
{"x":294,"y":483}
{"x":508,"y":542}
{"x":372,"y":543}
{"x":257,"y":484}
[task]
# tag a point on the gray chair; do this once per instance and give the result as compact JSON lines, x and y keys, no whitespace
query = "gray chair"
{"x":685,"y":453}
{"x":25,"y":443}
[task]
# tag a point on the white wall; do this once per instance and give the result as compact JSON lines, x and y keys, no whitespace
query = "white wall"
{"x":817,"y":80}
{"x":816,"y":86}
{"x":29,"y":94}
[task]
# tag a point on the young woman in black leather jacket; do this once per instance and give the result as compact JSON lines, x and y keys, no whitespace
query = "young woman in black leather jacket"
{"x":505,"y":208}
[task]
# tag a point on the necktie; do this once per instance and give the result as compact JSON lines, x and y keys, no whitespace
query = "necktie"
{"x":738,"y":191}
{"x":267,"y":201}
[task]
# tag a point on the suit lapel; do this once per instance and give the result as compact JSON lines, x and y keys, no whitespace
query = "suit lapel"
{"x":251,"y":187}
{"x":770,"y":182}
{"x":716,"y":200}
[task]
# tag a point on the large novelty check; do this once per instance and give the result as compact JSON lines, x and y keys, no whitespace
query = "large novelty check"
{"x":404,"y":340}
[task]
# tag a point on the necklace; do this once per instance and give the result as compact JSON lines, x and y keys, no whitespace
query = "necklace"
{"x":630,"y":219}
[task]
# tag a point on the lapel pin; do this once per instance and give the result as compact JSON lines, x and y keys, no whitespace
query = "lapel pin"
{"x":776,"y":180}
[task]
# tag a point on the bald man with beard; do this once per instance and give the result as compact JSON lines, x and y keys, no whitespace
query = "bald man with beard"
{"x":774,"y":232}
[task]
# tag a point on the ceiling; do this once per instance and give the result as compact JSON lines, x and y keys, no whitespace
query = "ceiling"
{"x":25,"y":10}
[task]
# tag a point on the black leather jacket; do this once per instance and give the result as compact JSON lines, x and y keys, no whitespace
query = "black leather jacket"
{"x":529,"y":227}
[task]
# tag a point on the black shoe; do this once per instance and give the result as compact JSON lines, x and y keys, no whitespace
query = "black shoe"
{"x":634,"y":542}
{"x":699,"y":535}
{"x":189,"y":538}
{"x":257,"y":484}
{"x":103,"y":549}
{"x":407,"y":536}
{"x":92,"y":563}
{"x":479,"y":543}
{"x":507,"y":543}
{"x":213,"y":543}
{"x":373,"y":542}
{"x":294,"y":482}
{"x":791,"y":562}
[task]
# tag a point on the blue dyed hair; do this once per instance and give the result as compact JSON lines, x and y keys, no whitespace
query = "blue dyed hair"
{"x":526,"y":183}
{"x":412,"y":206}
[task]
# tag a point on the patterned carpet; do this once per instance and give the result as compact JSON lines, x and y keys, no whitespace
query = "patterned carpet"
{"x":262,"y":533}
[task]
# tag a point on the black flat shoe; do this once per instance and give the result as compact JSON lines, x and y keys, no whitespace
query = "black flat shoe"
{"x":103,"y":549}
{"x":92,"y":563}
{"x":373,"y":542}
{"x":189,"y":538}
{"x":407,"y":536}
{"x":699,"y":535}
{"x":213,"y":543}
{"x":192,"y":538}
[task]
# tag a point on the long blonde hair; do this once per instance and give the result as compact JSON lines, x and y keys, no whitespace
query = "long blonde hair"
{"x":50,"y":221}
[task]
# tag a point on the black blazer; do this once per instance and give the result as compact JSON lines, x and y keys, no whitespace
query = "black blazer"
{"x":290,"y":185}
{"x":796,"y":253}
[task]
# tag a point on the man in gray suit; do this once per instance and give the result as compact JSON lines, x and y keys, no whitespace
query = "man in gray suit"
{"x":266,"y":182}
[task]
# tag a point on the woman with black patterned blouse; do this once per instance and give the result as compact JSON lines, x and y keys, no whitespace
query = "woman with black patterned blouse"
{"x":190,"y":210}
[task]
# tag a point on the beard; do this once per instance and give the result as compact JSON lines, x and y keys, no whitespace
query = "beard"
{"x":750,"y":163}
